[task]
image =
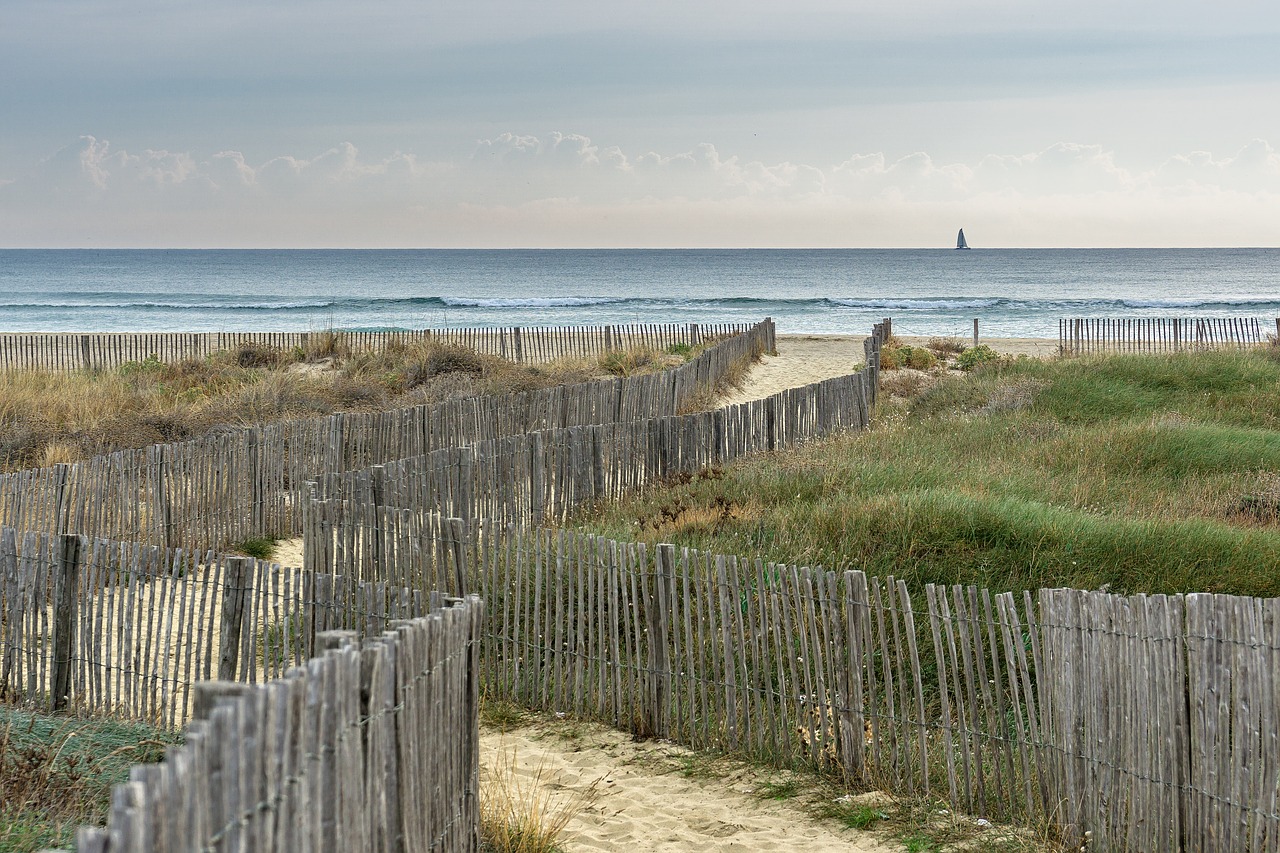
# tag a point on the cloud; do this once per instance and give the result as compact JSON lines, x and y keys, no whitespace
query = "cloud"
{"x":565,"y":189}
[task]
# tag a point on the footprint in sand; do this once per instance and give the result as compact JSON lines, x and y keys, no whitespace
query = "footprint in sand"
{"x":714,"y":828}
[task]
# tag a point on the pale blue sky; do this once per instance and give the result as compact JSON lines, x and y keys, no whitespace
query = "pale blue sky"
{"x":659,"y":124}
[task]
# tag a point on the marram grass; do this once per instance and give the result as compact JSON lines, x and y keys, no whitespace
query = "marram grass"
{"x":1141,"y":473}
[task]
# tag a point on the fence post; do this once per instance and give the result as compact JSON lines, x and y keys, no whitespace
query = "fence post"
{"x":65,"y":598}
{"x":1278,"y":330}
{"x":975,"y":331}
{"x":257,"y":499}
{"x":458,"y":546}
{"x":61,"y":474}
{"x":335,"y":639}
{"x":657,"y":614}
{"x":207,"y":694}
{"x":234,"y":590}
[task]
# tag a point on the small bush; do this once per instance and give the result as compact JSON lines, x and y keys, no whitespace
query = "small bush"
{"x":254,"y":354}
{"x":943,"y":347}
{"x":976,"y":357}
{"x":149,"y":366}
{"x":896,"y":356}
{"x":260,"y":547}
{"x":852,"y":813}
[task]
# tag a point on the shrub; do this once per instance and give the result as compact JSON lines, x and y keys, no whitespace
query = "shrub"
{"x":976,"y":357}
{"x":945,"y":346}
{"x":254,"y":354}
{"x":895,"y":356}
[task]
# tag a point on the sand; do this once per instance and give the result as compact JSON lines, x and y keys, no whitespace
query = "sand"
{"x":803,"y":359}
{"x":647,"y":803}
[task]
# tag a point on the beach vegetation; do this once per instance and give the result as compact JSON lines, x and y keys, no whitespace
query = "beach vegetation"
{"x":974,"y":357}
{"x":56,"y":773}
{"x":55,"y":417}
{"x":895,"y":355}
{"x":1153,"y":473}
{"x":259,"y":547}
{"x":945,"y":347}
{"x":527,"y":812}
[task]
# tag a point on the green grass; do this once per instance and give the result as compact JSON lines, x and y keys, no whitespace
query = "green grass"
{"x":261,"y":547}
{"x":56,"y":772}
{"x":1132,"y":471}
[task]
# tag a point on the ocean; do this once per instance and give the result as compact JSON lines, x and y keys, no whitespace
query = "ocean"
{"x":1012,"y":292}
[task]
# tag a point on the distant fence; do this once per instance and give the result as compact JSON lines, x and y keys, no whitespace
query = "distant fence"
{"x":1159,"y":334}
{"x":59,"y":351}
{"x":127,"y":629}
{"x":365,"y":748}
{"x":229,"y":486}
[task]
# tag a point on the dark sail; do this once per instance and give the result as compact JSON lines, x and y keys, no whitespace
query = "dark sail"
{"x":960,"y":241}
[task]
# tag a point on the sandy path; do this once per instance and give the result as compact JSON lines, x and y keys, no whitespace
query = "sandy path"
{"x":646,"y":803}
{"x":803,"y":359}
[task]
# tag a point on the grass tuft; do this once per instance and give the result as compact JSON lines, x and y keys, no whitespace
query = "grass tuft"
{"x":260,"y":547}
{"x":527,"y":812}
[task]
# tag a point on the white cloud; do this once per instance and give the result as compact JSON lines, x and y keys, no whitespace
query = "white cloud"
{"x":564,"y":189}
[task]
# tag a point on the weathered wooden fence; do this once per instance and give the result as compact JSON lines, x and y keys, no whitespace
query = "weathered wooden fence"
{"x":128,"y":629}
{"x":543,"y":476}
{"x":1146,"y":721}
{"x":370,"y":747}
{"x":1159,"y":334}
{"x":60,"y":351}
{"x":229,"y":486}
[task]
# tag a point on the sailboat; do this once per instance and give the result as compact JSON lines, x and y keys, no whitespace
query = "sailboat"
{"x":960,"y":241}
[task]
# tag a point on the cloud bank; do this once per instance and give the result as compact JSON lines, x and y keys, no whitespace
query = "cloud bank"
{"x":565,"y":189}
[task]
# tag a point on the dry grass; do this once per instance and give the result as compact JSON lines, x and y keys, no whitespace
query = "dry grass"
{"x":48,"y":418}
{"x":527,"y":812}
{"x":943,"y":347}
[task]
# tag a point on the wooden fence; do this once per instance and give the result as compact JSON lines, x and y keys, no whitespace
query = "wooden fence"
{"x":127,"y":629}
{"x":1159,"y":334}
{"x":1146,"y":721}
{"x":60,"y":351}
{"x":221,"y":489}
{"x":365,"y":748}
{"x":541,"y":477}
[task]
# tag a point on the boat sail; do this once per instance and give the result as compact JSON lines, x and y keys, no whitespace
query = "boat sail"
{"x":960,"y":241}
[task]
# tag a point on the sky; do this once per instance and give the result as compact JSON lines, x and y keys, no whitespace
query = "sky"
{"x":672,"y":123}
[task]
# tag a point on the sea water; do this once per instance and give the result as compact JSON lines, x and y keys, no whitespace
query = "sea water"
{"x":1012,"y":292}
